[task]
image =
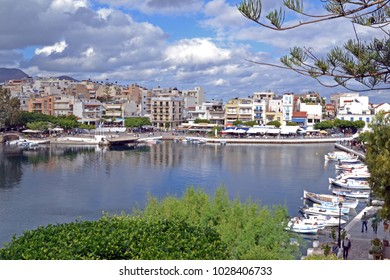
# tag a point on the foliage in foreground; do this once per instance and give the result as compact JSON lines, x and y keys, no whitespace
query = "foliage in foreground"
{"x":115,"y":238}
{"x":195,"y":226}
{"x":251,"y":231}
{"x":331,"y":257}
{"x":378,"y":159}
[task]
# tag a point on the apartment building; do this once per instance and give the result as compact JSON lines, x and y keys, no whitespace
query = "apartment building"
{"x":88,"y":111}
{"x":212,"y":110}
{"x":166,"y":111}
{"x":288,"y":105}
{"x":63,"y":105}
{"x":42,"y":105}
{"x":274,"y":110}
{"x":353,"y":107}
{"x":313,"y":111}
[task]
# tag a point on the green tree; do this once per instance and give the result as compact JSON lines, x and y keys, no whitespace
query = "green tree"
{"x":378,"y":159}
{"x":250,"y":123}
{"x":275,"y":123}
{"x":359,"y":124}
{"x":66,"y":122}
{"x":201,"y":121}
{"x":327,"y":124}
{"x":364,"y":62}
{"x":291,"y":123}
{"x":251,"y":231}
{"x":343,"y":124}
{"x":41,"y":125}
{"x":9,"y":108}
{"x":137,"y":122}
{"x":237,"y":122}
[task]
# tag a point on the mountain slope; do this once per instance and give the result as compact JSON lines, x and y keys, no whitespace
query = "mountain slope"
{"x":11,"y":74}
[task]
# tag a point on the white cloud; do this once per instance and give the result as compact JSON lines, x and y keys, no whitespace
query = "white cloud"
{"x":68,"y":5}
{"x":48,"y":50}
{"x":196,"y":51}
{"x":220,"y":82}
{"x":89,"y":52}
{"x":104,"y":13}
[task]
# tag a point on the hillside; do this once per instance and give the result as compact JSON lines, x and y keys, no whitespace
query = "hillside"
{"x":11,"y":74}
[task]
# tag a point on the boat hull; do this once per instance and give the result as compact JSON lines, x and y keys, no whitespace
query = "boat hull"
{"x":327,"y":199}
{"x":350,"y":184}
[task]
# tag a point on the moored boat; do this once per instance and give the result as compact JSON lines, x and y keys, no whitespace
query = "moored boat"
{"x":360,"y":194}
{"x":319,"y":211}
{"x":328,"y":221}
{"x":331,"y":206}
{"x":339,"y":155}
{"x":350,"y":184}
{"x":306,"y":226}
{"x":329,"y":198}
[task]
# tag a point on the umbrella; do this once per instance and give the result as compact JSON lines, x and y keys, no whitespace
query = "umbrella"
{"x":31,"y":131}
{"x":57,"y":129}
{"x":323,"y":132}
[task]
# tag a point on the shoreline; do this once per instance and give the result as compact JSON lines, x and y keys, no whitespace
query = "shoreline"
{"x":90,"y":139}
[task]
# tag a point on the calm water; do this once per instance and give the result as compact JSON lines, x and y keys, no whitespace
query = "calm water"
{"x":57,"y":184}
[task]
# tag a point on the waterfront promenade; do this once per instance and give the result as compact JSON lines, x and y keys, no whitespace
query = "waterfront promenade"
{"x":360,"y":240}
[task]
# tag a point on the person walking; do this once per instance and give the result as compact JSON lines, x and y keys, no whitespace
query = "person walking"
{"x":374,"y":223}
{"x":346,"y":246}
{"x":364,"y":221}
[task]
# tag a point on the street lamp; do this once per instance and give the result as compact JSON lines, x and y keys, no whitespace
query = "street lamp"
{"x":340,"y":206}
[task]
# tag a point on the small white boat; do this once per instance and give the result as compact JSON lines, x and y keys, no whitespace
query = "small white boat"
{"x":351,"y":160}
{"x":360,"y":194}
{"x":331,"y":206}
{"x":350,"y":167}
{"x":328,"y":221}
{"x":305,"y":226}
{"x":336,"y":155}
{"x":319,"y":211}
{"x":329,"y":199}
{"x":350,"y":184}
{"x":363,"y":175}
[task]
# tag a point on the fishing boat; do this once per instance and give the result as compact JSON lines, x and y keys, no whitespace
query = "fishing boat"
{"x":350,"y":184}
{"x":356,"y":175}
{"x":328,"y":221}
{"x":330,"y":198}
{"x":336,"y":155}
{"x":359,"y":194}
{"x":331,"y":206}
{"x":306,"y":226}
{"x":350,"y":166}
{"x":319,"y":211}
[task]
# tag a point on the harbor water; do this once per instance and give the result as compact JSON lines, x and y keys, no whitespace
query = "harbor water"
{"x":57,"y":183}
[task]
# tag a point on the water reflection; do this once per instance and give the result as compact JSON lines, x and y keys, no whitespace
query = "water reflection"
{"x":55,"y":183}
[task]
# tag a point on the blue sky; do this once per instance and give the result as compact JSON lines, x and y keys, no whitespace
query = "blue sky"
{"x":166,"y":43}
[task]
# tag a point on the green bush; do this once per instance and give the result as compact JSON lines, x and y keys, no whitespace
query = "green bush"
{"x":251,"y":231}
{"x":116,"y":238}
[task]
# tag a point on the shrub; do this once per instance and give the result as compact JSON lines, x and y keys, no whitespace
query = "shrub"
{"x":115,"y":238}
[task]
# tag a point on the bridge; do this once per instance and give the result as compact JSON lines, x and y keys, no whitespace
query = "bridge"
{"x":9,"y":137}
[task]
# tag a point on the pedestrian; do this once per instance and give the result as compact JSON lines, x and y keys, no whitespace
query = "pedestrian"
{"x":335,"y":249}
{"x":346,"y":246}
{"x":374,"y":223}
{"x":364,"y":221}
